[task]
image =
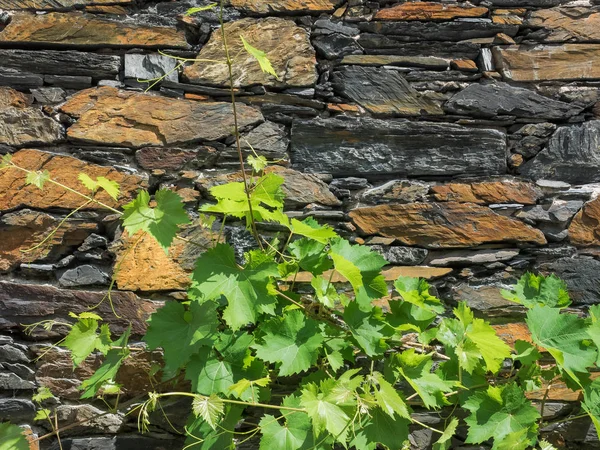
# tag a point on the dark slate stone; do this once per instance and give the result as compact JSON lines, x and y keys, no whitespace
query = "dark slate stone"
{"x":370,"y":147}
{"x":53,"y":62}
{"x":336,"y":46}
{"x":382,"y":91}
{"x":444,"y":31}
{"x":572,"y":155}
{"x":147,"y":67}
{"x":11,"y":381}
{"x":84,"y":275}
{"x":16,"y":409}
{"x":491,"y":100}
{"x":68,"y":81}
{"x":403,"y":256}
{"x":18,"y":79}
{"x":377,"y":44}
{"x":521,"y":3}
{"x":9,"y":353}
{"x":581,"y":276}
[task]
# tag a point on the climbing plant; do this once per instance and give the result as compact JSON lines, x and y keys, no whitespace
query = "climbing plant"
{"x":307,"y":365}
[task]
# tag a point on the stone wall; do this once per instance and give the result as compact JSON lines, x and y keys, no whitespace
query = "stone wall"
{"x":458,"y":139}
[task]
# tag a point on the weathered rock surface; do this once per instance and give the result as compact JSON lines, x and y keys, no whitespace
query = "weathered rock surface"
{"x":429,"y":11}
{"x":442,"y":225}
{"x":445,"y":31}
{"x":370,"y":147}
{"x":75,"y":30}
{"x":113,"y":117}
{"x":23,"y":125}
{"x":84,"y":275}
{"x":54,"y":62}
{"x":152,"y":158}
{"x":95,"y":420}
{"x":488,"y":192}
{"x":382,"y":92}
{"x":584,"y":230}
{"x":424,"y":62}
{"x":485,"y":299}
{"x":64,"y":169}
{"x":465,"y":257}
{"x":377,"y":44}
{"x":285,"y":6}
{"x":402,"y":256}
{"x":539,"y":63}
{"x":28,"y":303}
{"x":42,"y":5}
{"x":397,"y":191}
{"x":286,"y":45}
{"x":22,"y":230}
{"x":572,"y":155}
{"x":491,"y":100}
{"x":148,"y":67}
{"x":568,"y":23}
{"x":581,"y":276}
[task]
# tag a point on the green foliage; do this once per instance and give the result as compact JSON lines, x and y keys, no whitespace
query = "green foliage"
{"x":261,"y":57}
{"x":111,"y":187}
{"x":12,"y":438}
{"x":198,"y":9}
{"x":537,"y":290}
{"x":85,"y":337}
{"x":37,"y":178}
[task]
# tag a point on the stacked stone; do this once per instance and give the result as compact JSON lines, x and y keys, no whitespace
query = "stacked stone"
{"x":458,"y":139}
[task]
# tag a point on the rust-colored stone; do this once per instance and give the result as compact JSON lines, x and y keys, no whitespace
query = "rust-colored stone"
{"x":507,"y":20}
{"x":444,"y":225}
{"x":191,"y":96}
{"x":64,"y":169}
{"x":283,"y":6}
{"x":559,"y":391}
{"x":568,"y":24}
{"x":512,"y":332}
{"x":429,"y":11}
{"x":343,"y":108}
{"x":584,"y":230}
{"x":488,"y":192}
{"x":286,"y":45}
{"x":23,"y":230}
{"x":540,"y":63}
{"x":142,"y":264}
{"x":112,"y":117}
{"x":49,"y":5}
{"x":465,"y":65}
{"x":86,"y":30}
{"x":10,"y":97}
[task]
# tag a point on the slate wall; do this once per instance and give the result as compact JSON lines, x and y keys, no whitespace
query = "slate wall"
{"x":459,"y":139}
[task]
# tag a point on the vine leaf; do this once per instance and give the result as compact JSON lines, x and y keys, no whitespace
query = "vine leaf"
{"x":42,"y":414}
{"x":38,"y":178}
{"x":261,"y":57}
{"x":292,"y":341}
{"x":162,"y":221}
{"x":198,"y":9}
{"x":417,"y":309}
{"x":111,"y":187}
{"x":274,"y":435}
{"x":43,"y":393}
{"x":5,"y":161}
{"x":499,"y":413}
{"x":362,"y":268}
{"x":565,"y":337}
{"x":311,"y":229}
{"x":12,"y":437}
{"x":389,"y":431}
{"x":368,"y":328}
{"x":181,"y":332}
{"x":444,"y":442}
{"x":208,"y":373}
{"x":245,"y":288}
{"x":533,"y":290}
{"x":388,"y":399}
{"x":209,"y":408}
{"x":109,"y":368}
{"x":591,"y":403}
{"x":83,"y":338}
{"x":201,"y":436}
{"x":311,"y":255}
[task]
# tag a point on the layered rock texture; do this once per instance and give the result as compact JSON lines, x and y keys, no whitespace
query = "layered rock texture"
{"x":460,"y":140}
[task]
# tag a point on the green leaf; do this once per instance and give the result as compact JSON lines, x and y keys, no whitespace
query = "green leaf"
{"x":416,"y":292}
{"x":109,"y":368}
{"x":38,"y":178}
{"x":362,"y":268}
{"x":526,"y":352}
{"x":258,"y":163}
{"x":565,"y":337}
{"x":42,"y":414}
{"x":545,"y":445}
{"x":181,"y":332}
{"x":111,"y":388}
{"x":311,"y":229}
{"x":533,"y":290}
{"x":292,"y":341}
{"x":261,"y":57}
{"x":591,"y":403}
{"x":276,"y":436}
{"x":245,"y":288}
{"x":43,"y":393}
{"x":209,"y":408}
{"x":388,"y":399}
{"x":417,"y":309}
{"x":416,"y":370}
{"x":12,"y":437}
{"x":83,"y":339}
{"x":311,"y":255}
{"x":499,"y":412}
{"x":389,"y":431}
{"x":111,"y":187}
{"x":444,"y":442}
{"x":200,"y":435}
{"x":244,"y":384}
{"x":324,"y":291}
{"x":162,"y":221}
{"x":368,"y":328}
{"x":198,"y":9}
{"x":209,"y":374}
{"x":5,"y":161}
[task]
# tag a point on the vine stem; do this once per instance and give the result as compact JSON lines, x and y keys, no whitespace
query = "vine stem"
{"x":233,"y":402}
{"x":426,"y":426}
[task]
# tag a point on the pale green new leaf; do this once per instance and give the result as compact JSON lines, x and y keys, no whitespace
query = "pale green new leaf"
{"x":83,"y":339}
{"x":500,"y":412}
{"x":261,"y":57}
{"x":38,"y":178}
{"x":12,"y":437}
{"x":162,"y":221}
{"x":311,"y":229}
{"x":545,"y":445}
{"x":5,"y":161}
{"x":181,"y":332}
{"x":42,"y":414}
{"x":565,"y":337}
{"x":43,"y":393}
{"x":258,"y":163}
{"x":444,"y":442}
{"x":388,"y":399}
{"x":198,"y":9}
{"x":533,"y":290}
{"x":111,"y":187}
{"x":210,"y":408}
{"x":324,"y":291}
{"x":292,"y":341}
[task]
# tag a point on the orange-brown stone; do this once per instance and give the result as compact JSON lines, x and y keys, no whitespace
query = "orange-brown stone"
{"x":465,"y":65}
{"x":343,"y":108}
{"x":568,"y":24}
{"x":488,"y":192}
{"x":49,"y":5}
{"x":444,"y":225}
{"x":86,"y":30}
{"x":429,"y":11}
{"x":278,"y":6}
{"x":287,"y":46}
{"x":23,"y":230}
{"x":14,"y":192}
{"x":512,"y":332}
{"x":584,"y":230}
{"x":10,"y":97}
{"x":113,"y":117}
